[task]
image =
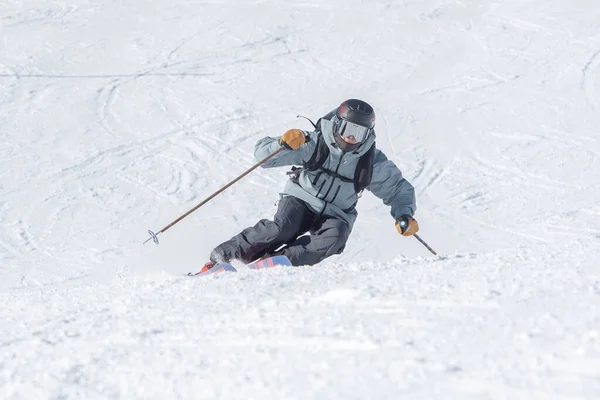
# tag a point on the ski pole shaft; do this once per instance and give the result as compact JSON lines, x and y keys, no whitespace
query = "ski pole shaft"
{"x":215,"y":194}
{"x":424,"y":244}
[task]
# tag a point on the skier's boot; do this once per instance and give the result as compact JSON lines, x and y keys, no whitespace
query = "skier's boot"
{"x":207,"y":266}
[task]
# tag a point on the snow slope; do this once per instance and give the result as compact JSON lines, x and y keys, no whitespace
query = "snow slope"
{"x":117,"y":117}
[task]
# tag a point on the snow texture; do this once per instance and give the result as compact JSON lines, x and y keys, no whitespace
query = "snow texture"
{"x":119,"y":116}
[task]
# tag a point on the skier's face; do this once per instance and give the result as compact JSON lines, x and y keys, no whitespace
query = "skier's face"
{"x":350,"y":132}
{"x":350,"y":139}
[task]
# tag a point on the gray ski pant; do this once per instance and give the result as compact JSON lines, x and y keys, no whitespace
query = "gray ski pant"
{"x":328,"y":236}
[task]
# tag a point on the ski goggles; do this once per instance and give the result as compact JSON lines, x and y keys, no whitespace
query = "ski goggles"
{"x":347,"y":129}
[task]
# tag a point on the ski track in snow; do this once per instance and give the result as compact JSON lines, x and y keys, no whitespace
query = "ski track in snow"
{"x":342,"y":327}
{"x":116,"y":118}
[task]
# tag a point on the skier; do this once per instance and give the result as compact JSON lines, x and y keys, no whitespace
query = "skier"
{"x":339,"y":159}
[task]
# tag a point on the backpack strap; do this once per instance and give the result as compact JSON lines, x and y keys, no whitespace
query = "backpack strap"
{"x":364,"y":170}
{"x":321,"y":152}
{"x":319,"y":156}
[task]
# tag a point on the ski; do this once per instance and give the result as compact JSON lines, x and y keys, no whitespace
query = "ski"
{"x":268,"y":262}
{"x":217,"y":269}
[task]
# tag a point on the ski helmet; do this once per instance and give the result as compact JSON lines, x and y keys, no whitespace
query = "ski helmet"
{"x":353,"y":123}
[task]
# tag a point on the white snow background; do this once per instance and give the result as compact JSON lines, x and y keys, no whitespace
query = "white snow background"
{"x":118,"y":116}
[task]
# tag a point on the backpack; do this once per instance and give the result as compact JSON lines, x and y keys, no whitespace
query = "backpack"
{"x":364,"y":167}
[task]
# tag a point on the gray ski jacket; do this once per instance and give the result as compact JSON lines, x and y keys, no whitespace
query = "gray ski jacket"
{"x":332,"y":196}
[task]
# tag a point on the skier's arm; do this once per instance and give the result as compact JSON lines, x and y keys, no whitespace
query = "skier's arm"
{"x":389,"y":185}
{"x":268,"y":145}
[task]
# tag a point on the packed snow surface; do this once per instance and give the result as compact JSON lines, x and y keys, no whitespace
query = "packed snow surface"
{"x":119,"y":116}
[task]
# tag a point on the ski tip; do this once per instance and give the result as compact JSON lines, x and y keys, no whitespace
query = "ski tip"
{"x":217,"y":269}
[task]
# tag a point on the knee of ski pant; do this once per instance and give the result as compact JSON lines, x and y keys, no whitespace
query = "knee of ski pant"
{"x":271,"y":232}
{"x":336,"y":248}
{"x":339,"y":239}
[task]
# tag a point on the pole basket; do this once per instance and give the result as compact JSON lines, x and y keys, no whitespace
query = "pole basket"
{"x":153,"y":236}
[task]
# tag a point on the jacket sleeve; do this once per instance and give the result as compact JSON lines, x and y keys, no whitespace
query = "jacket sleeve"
{"x":389,"y":185}
{"x":269,"y":145}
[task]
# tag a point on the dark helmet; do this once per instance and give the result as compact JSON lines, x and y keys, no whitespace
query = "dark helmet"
{"x":358,"y":112}
{"x":353,"y":123}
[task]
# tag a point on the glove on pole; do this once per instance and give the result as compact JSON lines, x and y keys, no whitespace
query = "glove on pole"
{"x":293,"y":139}
{"x":408,"y":226}
{"x":153,"y":235}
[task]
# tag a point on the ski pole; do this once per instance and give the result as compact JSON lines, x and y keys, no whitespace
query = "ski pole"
{"x":153,"y":235}
{"x":424,"y":244}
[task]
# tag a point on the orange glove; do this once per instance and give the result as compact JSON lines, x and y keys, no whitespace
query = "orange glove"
{"x":292,"y":139}
{"x":407,"y":225}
